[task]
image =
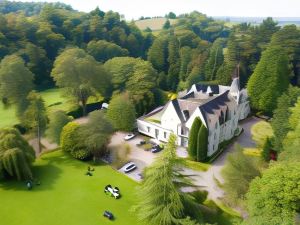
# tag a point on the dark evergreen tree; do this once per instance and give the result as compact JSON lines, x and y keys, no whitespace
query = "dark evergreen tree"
{"x":158,"y":54}
{"x":215,"y":59}
{"x":202,"y":142}
{"x":269,"y":80}
{"x":167,"y":25}
{"x":288,"y":37}
{"x":174,"y":63}
{"x":280,"y":121}
{"x":267,"y":150}
{"x":193,"y":138}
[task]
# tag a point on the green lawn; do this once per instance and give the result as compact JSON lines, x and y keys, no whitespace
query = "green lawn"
{"x":260,"y":131}
{"x":53,"y":101}
{"x":66,"y":196}
{"x":198,"y":166}
{"x":7,"y":116}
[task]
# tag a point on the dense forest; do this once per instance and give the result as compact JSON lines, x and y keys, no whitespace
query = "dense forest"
{"x":100,"y":55}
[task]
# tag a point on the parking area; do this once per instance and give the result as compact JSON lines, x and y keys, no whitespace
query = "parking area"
{"x":137,"y":154}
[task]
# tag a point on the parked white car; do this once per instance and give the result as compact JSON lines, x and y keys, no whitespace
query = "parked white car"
{"x":129,"y":136}
{"x":104,"y":105}
{"x":112,"y":191}
{"x":129,"y":167}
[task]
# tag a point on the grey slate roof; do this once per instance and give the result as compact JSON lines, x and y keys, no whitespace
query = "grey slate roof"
{"x":214,"y":104}
{"x":203,"y":88}
{"x":206,"y":106}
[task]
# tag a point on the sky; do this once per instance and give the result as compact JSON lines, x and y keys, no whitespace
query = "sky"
{"x":133,"y":9}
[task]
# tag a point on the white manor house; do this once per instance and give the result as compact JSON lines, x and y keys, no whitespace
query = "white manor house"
{"x":219,"y":107}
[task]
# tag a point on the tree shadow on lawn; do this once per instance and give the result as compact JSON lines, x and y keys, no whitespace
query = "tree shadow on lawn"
{"x":47,"y":170}
{"x":67,"y":160}
{"x":46,"y":174}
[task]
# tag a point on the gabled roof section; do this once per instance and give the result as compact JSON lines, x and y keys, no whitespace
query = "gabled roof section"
{"x":190,"y":95}
{"x":214,"y":104}
{"x":203,"y":88}
{"x":177,"y":109}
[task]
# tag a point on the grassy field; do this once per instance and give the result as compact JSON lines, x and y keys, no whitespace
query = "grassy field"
{"x":53,"y":101}
{"x":260,"y":131}
{"x":66,"y":196}
{"x":154,"y":24}
{"x":198,"y":166}
{"x":7,"y":116}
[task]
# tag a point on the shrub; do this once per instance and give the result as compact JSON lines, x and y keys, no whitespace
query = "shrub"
{"x":81,"y":153}
{"x":68,"y":136}
{"x":73,"y":142}
{"x":57,"y":121}
{"x":267,"y":150}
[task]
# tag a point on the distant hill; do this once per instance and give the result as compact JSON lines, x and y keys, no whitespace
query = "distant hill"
{"x":258,"y":20}
{"x":153,"y":23}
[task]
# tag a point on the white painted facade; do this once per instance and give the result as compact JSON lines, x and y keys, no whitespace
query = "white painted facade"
{"x":218,"y":107}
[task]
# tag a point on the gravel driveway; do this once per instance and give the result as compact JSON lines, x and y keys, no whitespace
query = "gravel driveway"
{"x":206,"y":180}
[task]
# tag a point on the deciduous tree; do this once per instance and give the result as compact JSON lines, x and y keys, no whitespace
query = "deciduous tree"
{"x":238,"y":172}
{"x":57,"y":121}
{"x":274,"y":198}
{"x":80,"y":75}
{"x":16,"y":81}
{"x":16,"y":155}
{"x":121,"y":113}
{"x":35,"y":116}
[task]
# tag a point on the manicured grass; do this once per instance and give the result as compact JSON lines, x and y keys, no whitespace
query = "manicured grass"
{"x":199,"y":166}
{"x":252,"y":152}
{"x":224,"y":215}
{"x":66,"y":195}
{"x":7,"y":116}
{"x":53,"y":101}
{"x":260,"y":131}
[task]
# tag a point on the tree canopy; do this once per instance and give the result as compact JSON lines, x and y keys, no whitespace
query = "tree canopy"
{"x":121,"y":113}
{"x":16,"y":81}
{"x":269,"y":80}
{"x":159,"y":201}
{"x":274,"y":198}
{"x":57,"y":121}
{"x":16,"y":155}
{"x":80,"y":75}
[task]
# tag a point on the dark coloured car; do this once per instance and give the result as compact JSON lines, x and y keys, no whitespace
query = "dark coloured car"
{"x":141,"y":143}
{"x":157,"y":148}
{"x":108,"y":215}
